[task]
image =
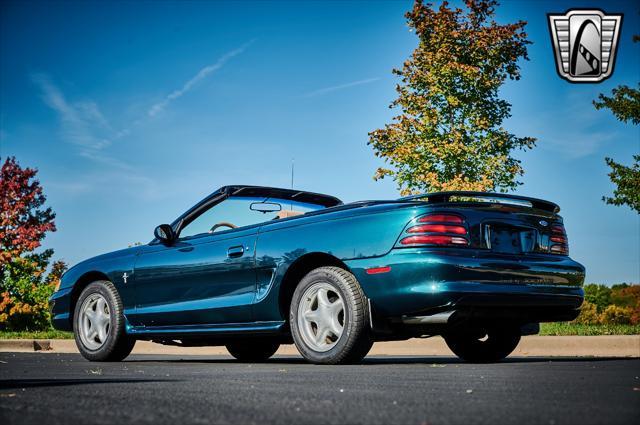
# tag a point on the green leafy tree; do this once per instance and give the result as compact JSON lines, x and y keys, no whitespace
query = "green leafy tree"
{"x":624,"y":103}
{"x":448,"y":134}
{"x":26,"y":288}
{"x":627,"y":181}
{"x":600,"y":295}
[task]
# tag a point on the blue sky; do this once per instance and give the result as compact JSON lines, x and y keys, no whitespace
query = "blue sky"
{"x":132,"y":112}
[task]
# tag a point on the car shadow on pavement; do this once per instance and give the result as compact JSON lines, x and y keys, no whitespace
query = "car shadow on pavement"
{"x":369,"y":361}
{"x":37,"y":383}
{"x":451,"y":360}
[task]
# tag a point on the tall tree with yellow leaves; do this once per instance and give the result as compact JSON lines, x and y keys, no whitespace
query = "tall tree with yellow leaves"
{"x":449,"y":134}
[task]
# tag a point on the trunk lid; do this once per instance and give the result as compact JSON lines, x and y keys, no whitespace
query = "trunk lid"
{"x":503,"y":224}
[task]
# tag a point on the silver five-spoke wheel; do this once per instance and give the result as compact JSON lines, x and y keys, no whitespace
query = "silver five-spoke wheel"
{"x":94,"y":321}
{"x":321,"y":316}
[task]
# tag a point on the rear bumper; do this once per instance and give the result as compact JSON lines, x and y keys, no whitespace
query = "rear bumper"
{"x":476,"y":283}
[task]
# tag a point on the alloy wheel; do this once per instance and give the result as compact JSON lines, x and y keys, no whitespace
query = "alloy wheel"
{"x":321,"y":316}
{"x":94,"y":321}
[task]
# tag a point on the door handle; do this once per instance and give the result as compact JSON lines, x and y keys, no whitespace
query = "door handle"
{"x":235,"y":251}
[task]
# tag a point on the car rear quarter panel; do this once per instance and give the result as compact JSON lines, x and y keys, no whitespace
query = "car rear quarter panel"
{"x":345,"y":235}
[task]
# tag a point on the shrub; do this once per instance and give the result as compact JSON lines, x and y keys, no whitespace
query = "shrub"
{"x":25,"y":289}
{"x":635,"y":314}
{"x":588,"y":314}
{"x":627,"y":296}
{"x":616,"y":315}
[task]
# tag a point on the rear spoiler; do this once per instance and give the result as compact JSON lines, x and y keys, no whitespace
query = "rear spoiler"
{"x":501,"y":198}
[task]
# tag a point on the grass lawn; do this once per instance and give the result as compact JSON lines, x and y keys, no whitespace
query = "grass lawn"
{"x":50,"y":334}
{"x":564,"y":328}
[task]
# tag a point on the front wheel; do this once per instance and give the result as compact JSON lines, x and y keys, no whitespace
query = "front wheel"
{"x":99,"y":324}
{"x":329,"y":317}
{"x":484,"y":345}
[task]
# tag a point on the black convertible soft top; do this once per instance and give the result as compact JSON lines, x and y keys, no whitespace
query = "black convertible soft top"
{"x":225,"y":192}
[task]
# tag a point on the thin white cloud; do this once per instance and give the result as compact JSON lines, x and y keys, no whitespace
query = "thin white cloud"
{"x":340,"y":87}
{"x":79,"y":122}
{"x":82,"y":123}
{"x":200,"y":75}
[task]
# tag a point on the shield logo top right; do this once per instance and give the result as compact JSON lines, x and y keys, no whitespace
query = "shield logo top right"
{"x":585,"y":43}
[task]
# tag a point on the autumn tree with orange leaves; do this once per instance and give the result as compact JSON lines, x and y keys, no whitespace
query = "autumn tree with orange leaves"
{"x":25,"y":285}
{"x":448,"y":134}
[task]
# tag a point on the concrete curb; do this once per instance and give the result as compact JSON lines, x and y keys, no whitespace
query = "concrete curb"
{"x":26,"y":345}
{"x":530,"y":346}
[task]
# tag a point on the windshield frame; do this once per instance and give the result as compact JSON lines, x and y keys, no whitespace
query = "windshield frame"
{"x":225,"y":192}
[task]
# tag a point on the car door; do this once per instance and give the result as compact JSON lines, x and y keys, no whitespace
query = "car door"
{"x":201,"y":280}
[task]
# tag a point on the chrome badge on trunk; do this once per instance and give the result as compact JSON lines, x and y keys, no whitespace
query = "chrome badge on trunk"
{"x":585,"y":43}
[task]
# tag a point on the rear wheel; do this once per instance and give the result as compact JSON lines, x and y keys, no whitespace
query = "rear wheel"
{"x":99,"y":324}
{"x":329,"y":317}
{"x":484,"y":345}
{"x":252,"y":350}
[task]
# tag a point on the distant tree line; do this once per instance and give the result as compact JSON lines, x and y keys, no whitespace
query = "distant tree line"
{"x":608,"y":305}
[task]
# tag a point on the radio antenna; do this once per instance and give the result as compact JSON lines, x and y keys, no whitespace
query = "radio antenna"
{"x":292,"y":168}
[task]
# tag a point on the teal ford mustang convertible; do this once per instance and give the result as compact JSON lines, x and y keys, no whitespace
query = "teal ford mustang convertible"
{"x":254,"y":267}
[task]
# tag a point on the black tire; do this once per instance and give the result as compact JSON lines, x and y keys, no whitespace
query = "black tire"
{"x":118,"y":344}
{"x":484,"y":345}
{"x":355,"y":341}
{"x":253,"y":350}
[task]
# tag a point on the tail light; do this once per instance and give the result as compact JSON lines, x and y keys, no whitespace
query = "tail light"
{"x":437,"y":229}
{"x":558,"y":242}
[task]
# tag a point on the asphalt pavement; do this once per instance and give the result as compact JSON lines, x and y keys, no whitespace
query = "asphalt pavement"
{"x":66,"y":389}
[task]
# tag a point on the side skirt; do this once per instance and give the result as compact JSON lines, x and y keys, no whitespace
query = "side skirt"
{"x":211,"y":330}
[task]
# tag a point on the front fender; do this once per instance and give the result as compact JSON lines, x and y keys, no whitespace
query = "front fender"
{"x":110,"y":267}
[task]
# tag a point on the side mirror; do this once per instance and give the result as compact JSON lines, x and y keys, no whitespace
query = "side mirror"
{"x":164,"y":233}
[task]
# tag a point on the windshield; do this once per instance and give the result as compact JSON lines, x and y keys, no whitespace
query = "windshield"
{"x":237,"y":212}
